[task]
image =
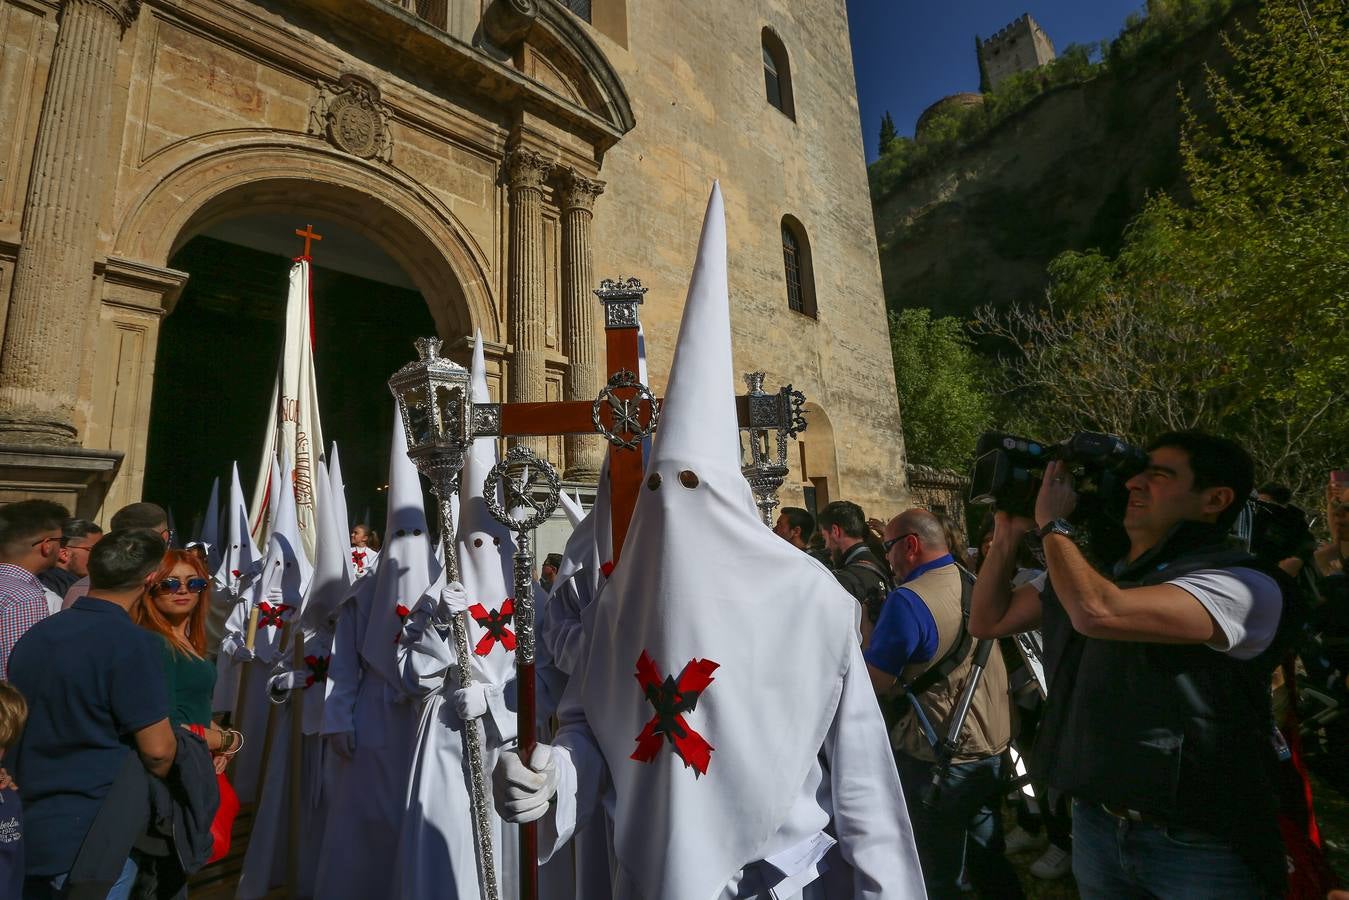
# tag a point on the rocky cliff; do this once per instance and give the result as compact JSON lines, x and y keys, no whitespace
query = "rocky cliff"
{"x":1065,"y":173}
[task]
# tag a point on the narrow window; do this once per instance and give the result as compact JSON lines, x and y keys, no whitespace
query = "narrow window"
{"x":777,"y":74}
{"x":791,"y":261}
{"x":772,"y":85}
{"x":797,"y":269}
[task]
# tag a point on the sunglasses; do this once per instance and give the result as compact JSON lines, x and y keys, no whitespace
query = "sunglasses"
{"x":886,"y":545}
{"x":172,"y":585}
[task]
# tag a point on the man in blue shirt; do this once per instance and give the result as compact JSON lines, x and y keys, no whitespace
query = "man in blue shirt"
{"x":921,"y":629}
{"x":95,"y":687}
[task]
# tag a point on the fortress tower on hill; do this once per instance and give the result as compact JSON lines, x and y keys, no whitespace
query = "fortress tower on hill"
{"x":1019,"y":47}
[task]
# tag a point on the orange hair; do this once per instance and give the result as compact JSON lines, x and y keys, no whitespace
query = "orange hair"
{"x":145,"y":614}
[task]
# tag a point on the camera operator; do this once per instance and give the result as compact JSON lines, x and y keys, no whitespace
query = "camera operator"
{"x":1158,"y":716}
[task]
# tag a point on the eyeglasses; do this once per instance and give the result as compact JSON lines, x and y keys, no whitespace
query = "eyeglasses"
{"x":62,"y":538}
{"x":173,"y":585}
{"x":886,"y":545}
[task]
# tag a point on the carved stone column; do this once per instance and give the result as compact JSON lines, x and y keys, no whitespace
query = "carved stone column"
{"x":585,"y":374}
{"x":50,"y":301}
{"x":526,"y":172}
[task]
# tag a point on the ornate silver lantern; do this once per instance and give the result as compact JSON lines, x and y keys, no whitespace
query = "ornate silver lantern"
{"x":437,"y":408}
{"x":773,"y":419}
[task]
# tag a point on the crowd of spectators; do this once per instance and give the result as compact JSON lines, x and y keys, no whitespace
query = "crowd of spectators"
{"x":1120,"y":710}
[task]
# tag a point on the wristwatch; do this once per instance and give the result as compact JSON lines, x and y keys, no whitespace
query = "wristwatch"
{"x":1057,"y":526}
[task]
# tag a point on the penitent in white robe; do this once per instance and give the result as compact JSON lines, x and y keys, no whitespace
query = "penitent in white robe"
{"x":366,"y":793}
{"x":267,"y":858}
{"x":851,"y":793}
{"x":437,"y":856}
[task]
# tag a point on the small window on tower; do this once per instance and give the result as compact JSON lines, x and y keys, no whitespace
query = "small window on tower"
{"x":797,"y":268}
{"x":777,"y":74}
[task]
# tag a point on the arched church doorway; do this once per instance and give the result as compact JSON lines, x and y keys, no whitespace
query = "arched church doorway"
{"x":219,"y":348}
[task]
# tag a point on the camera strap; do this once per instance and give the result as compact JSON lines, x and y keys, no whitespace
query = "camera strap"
{"x":960,"y":649}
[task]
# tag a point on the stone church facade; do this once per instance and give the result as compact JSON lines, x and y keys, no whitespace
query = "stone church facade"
{"x":507,"y":154}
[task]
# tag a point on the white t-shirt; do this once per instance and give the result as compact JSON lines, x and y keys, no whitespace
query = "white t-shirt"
{"x":1245,"y":603}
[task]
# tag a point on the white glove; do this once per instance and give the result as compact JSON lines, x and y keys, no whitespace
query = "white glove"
{"x":453,"y":599}
{"x":343,"y":743}
{"x":471,"y":701}
{"x":235,"y":648}
{"x":281,"y":685}
{"x":522,"y":792}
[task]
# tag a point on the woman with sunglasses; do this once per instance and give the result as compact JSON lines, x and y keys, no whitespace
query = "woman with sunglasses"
{"x":175,"y":607}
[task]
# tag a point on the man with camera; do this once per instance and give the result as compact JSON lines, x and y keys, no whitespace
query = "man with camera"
{"x":1158,"y":719}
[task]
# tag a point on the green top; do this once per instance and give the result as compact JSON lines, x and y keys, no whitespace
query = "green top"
{"x":191,"y":681}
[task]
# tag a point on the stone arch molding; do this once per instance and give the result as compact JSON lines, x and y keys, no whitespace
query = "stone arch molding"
{"x":190,"y":193}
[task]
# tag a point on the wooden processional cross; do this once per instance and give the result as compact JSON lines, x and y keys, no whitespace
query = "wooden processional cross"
{"x":624,"y":413}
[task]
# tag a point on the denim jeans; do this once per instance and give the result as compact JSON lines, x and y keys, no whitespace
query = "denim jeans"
{"x":1117,"y":858}
{"x":968,"y":803}
{"x":48,"y":887}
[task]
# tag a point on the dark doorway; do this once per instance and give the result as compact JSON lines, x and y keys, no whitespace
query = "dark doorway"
{"x":219,"y":349}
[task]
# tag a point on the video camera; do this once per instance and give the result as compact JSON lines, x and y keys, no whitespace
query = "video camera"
{"x":1008,"y":471}
{"x":1275,"y":531}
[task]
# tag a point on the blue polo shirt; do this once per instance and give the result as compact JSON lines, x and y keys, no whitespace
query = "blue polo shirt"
{"x":92,"y":678}
{"x":905,"y":631}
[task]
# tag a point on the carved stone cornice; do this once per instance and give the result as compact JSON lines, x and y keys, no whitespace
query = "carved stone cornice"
{"x":124,"y":11}
{"x":577,"y":191}
{"x":527,"y":169}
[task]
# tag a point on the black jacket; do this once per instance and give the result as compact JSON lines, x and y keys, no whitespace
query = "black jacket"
{"x":156,"y":816}
{"x":1179,"y":732}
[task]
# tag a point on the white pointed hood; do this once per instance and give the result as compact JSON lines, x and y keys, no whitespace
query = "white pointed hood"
{"x":210,"y":528}
{"x":337,"y":487}
{"x":286,"y":572}
{"x":589,"y":549}
{"x":572,"y":508}
{"x":331,"y":582}
{"x":485,"y":547}
{"x":328,"y":588}
{"x":406,"y":564}
{"x":239,"y":558}
{"x":754,"y":636}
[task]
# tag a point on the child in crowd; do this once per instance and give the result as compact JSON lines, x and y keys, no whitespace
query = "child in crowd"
{"x":13,"y":713}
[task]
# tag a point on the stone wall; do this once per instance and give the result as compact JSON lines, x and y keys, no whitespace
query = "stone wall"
{"x":695,"y":74}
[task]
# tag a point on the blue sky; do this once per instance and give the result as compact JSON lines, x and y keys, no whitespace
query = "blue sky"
{"x":910,"y":53}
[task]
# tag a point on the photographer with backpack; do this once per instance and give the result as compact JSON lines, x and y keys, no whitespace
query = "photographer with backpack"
{"x":858,"y":568}
{"x":921,"y":649}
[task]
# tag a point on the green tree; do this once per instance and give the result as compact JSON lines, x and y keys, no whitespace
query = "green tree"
{"x":888,"y":133}
{"x":943,"y":401}
{"x":1266,"y":239}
